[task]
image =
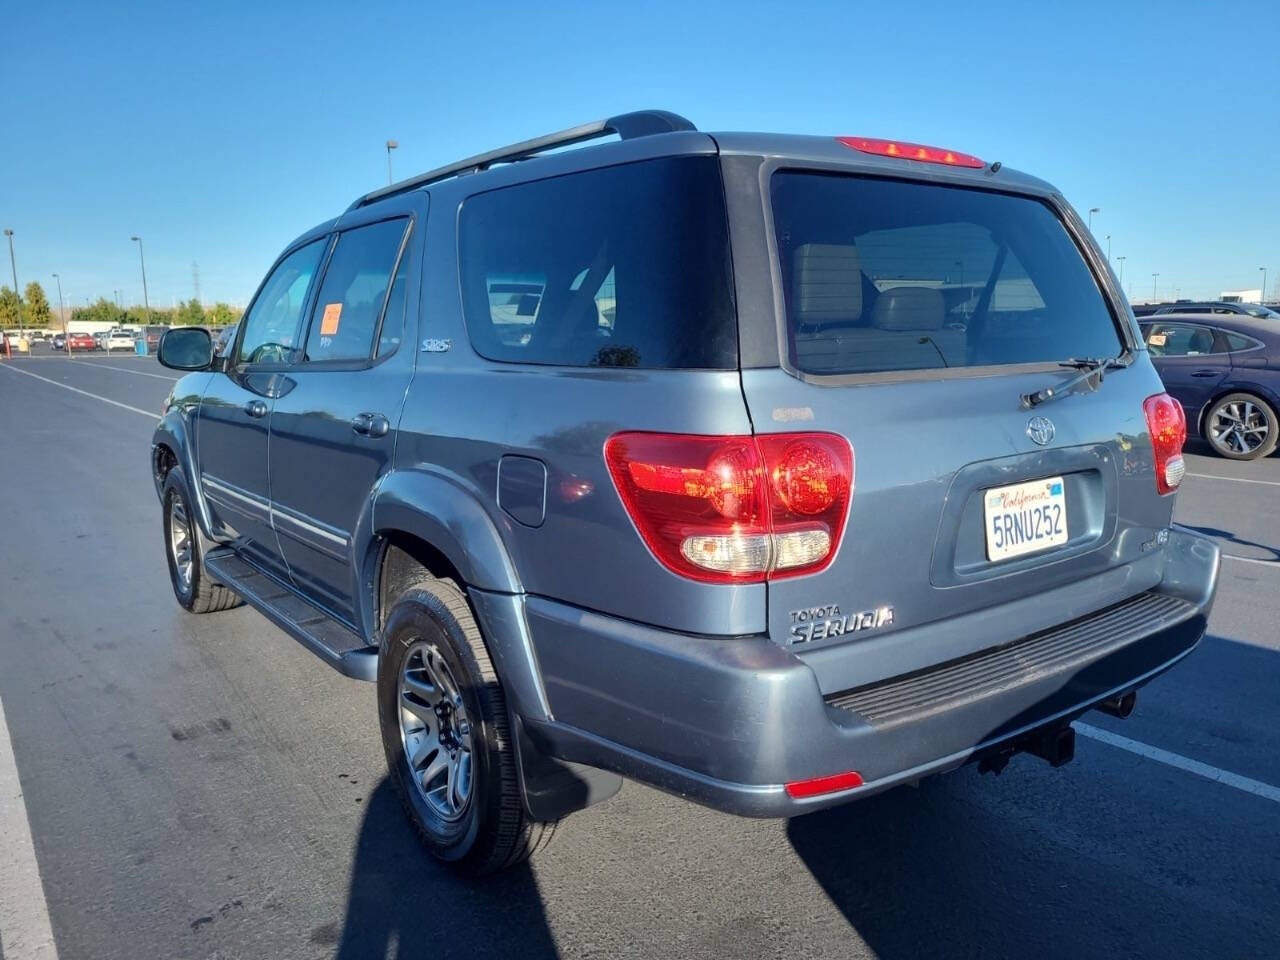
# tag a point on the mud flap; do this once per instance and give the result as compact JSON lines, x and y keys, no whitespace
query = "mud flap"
{"x":552,"y":788}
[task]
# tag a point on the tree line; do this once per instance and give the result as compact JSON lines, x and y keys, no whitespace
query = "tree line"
{"x":34,"y":311}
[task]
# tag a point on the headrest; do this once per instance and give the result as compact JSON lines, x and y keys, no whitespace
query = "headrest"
{"x":908,"y":308}
{"x":828,"y":283}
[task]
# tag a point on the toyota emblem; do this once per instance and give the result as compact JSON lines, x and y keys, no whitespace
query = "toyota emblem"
{"x":1040,"y":429}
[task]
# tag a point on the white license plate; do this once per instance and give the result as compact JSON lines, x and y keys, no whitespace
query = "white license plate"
{"x":1025,"y":517}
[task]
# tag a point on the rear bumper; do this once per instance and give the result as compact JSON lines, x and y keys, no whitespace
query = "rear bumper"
{"x":728,"y":722}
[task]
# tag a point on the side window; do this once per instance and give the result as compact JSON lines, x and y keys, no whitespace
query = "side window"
{"x":1179,"y":340}
{"x":354,"y":292}
{"x":1238,"y":341}
{"x":271,"y":326}
{"x":624,"y":266}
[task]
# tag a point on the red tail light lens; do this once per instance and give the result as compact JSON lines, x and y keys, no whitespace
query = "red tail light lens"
{"x":800,"y":789}
{"x":735,"y":509}
{"x":1168,"y":425}
{"x":912,"y":151}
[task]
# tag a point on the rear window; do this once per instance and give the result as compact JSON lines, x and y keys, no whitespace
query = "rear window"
{"x":625,"y":266}
{"x":883,"y":275}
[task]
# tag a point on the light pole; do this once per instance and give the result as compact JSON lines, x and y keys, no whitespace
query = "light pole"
{"x":1155,"y":277}
{"x":1092,"y":211}
{"x":1263,"y":298}
{"x":1121,"y":260}
{"x":13,"y":265}
{"x":62,"y":312}
{"x":146,"y":304}
{"x":391,"y":145}
{"x":1108,"y":246}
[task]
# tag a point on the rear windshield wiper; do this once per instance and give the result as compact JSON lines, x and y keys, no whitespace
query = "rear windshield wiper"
{"x":1088,"y":367}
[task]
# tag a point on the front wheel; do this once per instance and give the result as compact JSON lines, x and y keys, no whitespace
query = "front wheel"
{"x":191,"y":585}
{"x":1242,"y":426}
{"x":447,"y":736}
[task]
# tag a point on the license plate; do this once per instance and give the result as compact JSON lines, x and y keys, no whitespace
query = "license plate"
{"x":1025,"y":517}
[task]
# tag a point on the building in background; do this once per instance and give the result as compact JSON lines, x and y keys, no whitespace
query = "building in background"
{"x":1241,"y":296}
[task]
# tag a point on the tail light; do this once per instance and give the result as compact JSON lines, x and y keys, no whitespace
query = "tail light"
{"x":912,"y":151}
{"x":735,"y":509}
{"x":1168,"y":426}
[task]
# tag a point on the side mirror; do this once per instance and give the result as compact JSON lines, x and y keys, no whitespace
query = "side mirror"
{"x":186,"y":348}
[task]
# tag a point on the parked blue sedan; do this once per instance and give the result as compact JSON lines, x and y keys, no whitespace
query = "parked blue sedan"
{"x":1225,"y":371}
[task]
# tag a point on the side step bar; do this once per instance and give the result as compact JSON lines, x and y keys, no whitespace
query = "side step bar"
{"x":328,"y":639}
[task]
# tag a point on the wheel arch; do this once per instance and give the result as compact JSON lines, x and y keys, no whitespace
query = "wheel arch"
{"x":1236,"y":386}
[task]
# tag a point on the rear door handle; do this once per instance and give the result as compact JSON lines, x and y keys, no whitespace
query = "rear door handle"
{"x":256,"y":409}
{"x":370,"y":424}
{"x":1204,"y":373}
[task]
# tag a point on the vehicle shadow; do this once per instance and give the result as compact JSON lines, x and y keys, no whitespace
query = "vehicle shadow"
{"x":402,"y":904}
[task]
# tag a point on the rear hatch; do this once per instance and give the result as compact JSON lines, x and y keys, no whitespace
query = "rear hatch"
{"x":918,"y":318}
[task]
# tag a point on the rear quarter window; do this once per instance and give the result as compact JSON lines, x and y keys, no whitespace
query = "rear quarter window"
{"x":884,"y":275}
{"x":624,"y":266}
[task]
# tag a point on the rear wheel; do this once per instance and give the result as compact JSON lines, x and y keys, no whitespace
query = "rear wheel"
{"x":1242,"y":426}
{"x":191,"y":586}
{"x":447,"y":736}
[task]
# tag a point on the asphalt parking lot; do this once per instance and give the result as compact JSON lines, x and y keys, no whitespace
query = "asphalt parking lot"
{"x":204,"y":787}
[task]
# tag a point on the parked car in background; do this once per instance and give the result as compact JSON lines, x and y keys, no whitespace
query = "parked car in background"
{"x":1225,"y":371}
{"x":572,"y":477}
{"x":119,"y":340}
{"x":1219,"y":308}
{"x":153,"y":333}
{"x":5,"y":347}
{"x":59,"y":341}
{"x":82,"y":341}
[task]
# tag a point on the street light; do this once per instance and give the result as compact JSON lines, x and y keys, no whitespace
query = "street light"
{"x":1121,"y":260}
{"x":1092,"y":211}
{"x":13,"y":265}
{"x":1108,"y":246}
{"x":1263,"y":298}
{"x":1154,"y":278}
{"x":146,"y":304}
{"x":391,"y":145}
{"x":62,"y":312}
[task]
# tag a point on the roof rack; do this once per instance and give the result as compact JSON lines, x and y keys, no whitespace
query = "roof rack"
{"x":628,"y":126}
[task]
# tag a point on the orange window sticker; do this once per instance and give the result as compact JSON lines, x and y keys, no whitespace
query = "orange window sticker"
{"x":329,"y":322}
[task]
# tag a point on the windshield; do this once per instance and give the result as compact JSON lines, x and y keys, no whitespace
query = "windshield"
{"x":883,"y":275}
{"x":1266,"y":312}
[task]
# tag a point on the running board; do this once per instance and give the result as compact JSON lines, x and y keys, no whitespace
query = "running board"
{"x":328,"y":639}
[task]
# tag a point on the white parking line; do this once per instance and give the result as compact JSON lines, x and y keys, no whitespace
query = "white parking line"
{"x":1225,"y":777}
{"x":24,"y":916}
{"x":66,"y":386}
{"x":1257,"y":560}
{"x":138,"y":373}
{"x":1214,"y":476}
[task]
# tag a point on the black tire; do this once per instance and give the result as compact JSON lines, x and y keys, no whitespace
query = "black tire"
{"x":196,"y":593}
{"x":1228,"y":446}
{"x":493,"y":831}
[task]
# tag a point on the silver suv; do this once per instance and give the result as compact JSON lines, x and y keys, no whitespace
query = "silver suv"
{"x":773,"y":471}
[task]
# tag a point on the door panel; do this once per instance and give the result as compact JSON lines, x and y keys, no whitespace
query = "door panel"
{"x":333,"y":430}
{"x":1184,"y":357}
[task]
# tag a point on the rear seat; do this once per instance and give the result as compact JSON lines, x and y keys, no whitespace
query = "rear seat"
{"x":903,"y":331}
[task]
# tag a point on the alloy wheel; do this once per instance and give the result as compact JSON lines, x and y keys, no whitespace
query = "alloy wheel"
{"x":1238,"y":427}
{"x":435,"y":731}
{"x":180,"y":542}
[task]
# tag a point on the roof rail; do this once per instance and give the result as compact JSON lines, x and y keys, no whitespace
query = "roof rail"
{"x":628,"y":126}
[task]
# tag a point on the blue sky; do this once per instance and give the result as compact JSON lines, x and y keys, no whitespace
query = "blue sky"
{"x":220,"y":131}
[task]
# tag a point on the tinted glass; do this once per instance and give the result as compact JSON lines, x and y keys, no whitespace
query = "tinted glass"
{"x":1179,"y":340}
{"x":626,"y":266}
{"x":1238,"y":341}
{"x":886,"y":275}
{"x":354,"y":291}
{"x":392,"y":329}
{"x":271,"y":326}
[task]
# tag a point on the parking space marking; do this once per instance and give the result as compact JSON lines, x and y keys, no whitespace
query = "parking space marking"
{"x":66,"y":386}
{"x":1225,"y":777}
{"x":139,"y":373}
{"x":25,"y":931}
{"x":1214,"y":476}
{"x":1257,"y":560}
